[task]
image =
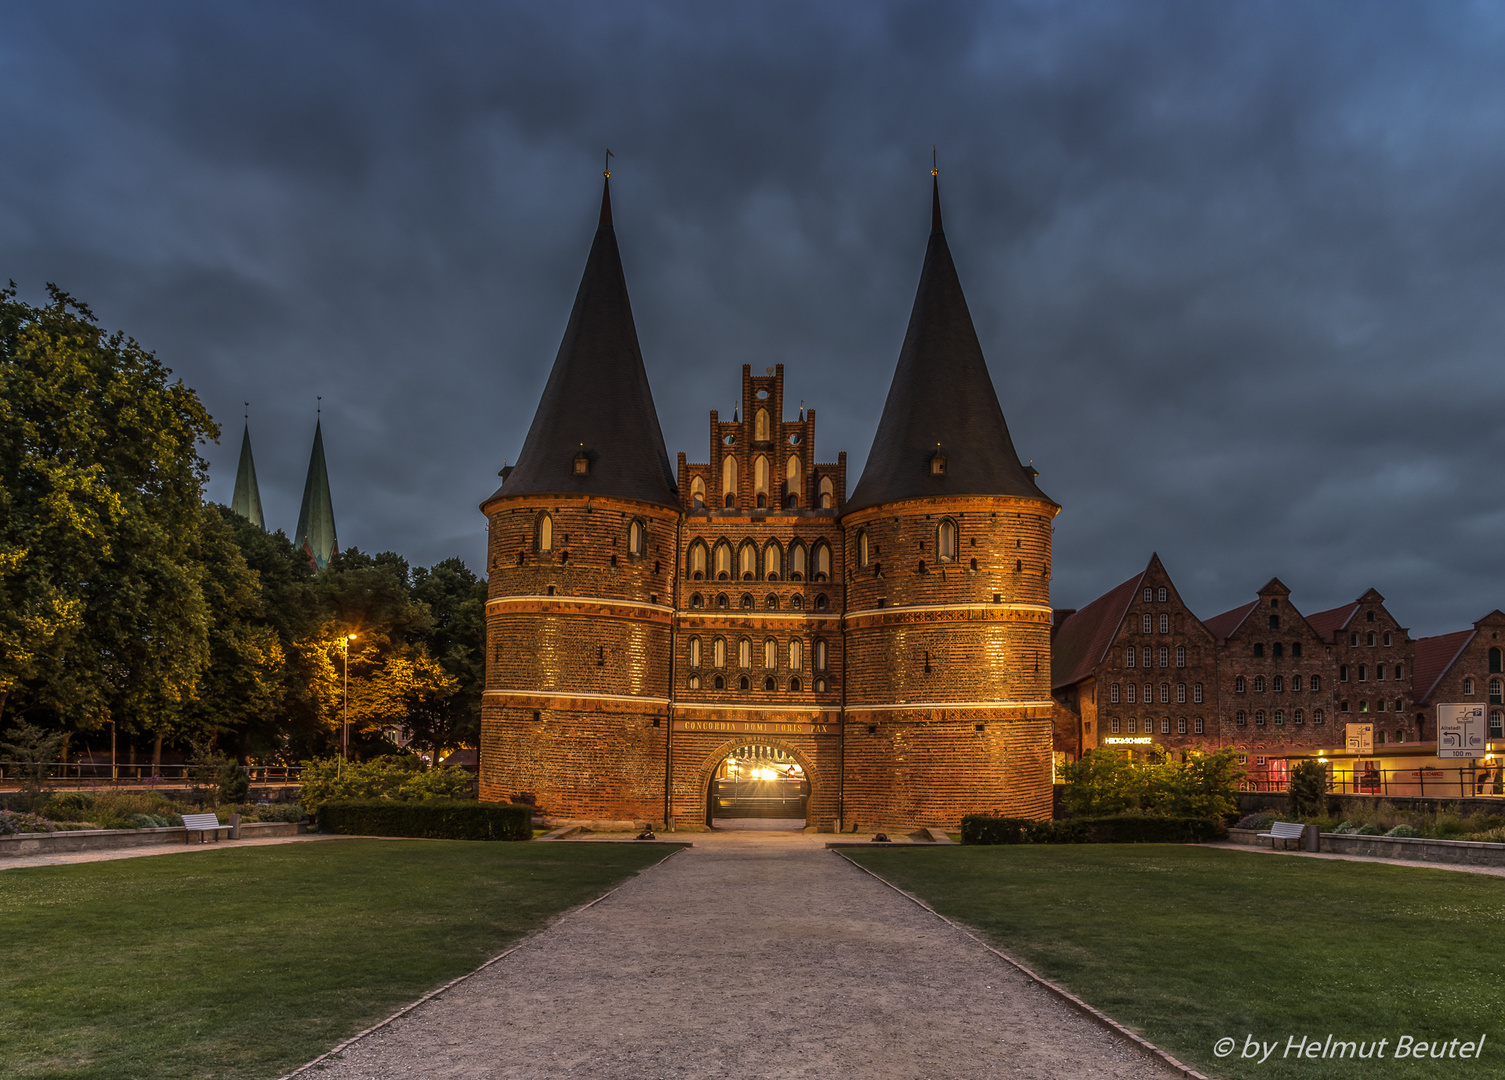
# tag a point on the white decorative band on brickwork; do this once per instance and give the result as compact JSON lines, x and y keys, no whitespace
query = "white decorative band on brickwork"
{"x":1039,"y":609}
{"x":534,"y":598}
{"x":575,"y":694}
{"x":1046,"y":703}
{"x":812,"y":710}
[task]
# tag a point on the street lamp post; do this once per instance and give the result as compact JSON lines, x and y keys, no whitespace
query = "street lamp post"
{"x":345,"y":736}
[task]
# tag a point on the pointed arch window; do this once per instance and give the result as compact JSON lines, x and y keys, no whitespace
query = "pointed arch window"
{"x":747,"y":561}
{"x":863,"y":545}
{"x":827,"y":493}
{"x":795,"y":684}
{"x":723,"y":561}
{"x":694,"y":652}
{"x":945,"y":540}
{"x":761,"y":474}
{"x":699,"y":560}
{"x":760,"y":426}
{"x":637,"y":537}
{"x":1494,"y":661}
{"x":820,"y":654}
{"x":697,"y":601}
{"x":697,"y":492}
{"x":770,"y":653}
{"x":822,"y":560}
{"x":729,"y":480}
{"x":718,"y":653}
{"x":797,"y":567}
{"x":543,"y":533}
{"x":796,"y":654}
{"x":797,"y":602}
{"x":744,"y":653}
{"x":792,"y":474}
{"x":773,"y":561}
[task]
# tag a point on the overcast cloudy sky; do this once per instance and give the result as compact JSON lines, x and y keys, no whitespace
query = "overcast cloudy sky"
{"x":1238,"y":268}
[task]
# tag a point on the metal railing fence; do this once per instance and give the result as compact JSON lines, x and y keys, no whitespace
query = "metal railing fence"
{"x":1464,"y":782}
{"x":141,"y":774}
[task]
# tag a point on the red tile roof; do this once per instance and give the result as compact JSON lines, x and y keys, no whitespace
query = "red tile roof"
{"x":1083,"y":639}
{"x":1434,"y":655}
{"x":1226,"y":623}
{"x":1329,"y":622}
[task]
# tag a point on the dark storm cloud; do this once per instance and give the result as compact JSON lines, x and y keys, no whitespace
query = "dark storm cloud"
{"x":1236,"y":267}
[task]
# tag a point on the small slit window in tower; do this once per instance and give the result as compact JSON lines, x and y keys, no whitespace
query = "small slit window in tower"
{"x":862,"y":547}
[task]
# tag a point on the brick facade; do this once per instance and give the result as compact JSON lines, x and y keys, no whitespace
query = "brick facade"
{"x":910,"y":683}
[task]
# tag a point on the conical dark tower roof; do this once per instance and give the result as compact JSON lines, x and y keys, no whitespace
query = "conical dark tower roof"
{"x":941,"y":399}
{"x":597,"y":401}
{"x":247,"y":498}
{"x":316,"y":535}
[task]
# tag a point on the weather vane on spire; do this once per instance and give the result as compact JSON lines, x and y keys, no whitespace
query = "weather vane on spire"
{"x":319,"y":404}
{"x":248,"y":410}
{"x":935,"y":169}
{"x":607,"y":171}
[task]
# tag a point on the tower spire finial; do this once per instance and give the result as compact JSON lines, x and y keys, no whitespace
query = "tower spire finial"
{"x":935,"y":193}
{"x":319,"y":405}
{"x":606,"y":190}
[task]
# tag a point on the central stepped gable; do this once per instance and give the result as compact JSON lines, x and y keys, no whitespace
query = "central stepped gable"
{"x":597,"y":401}
{"x":941,"y":400}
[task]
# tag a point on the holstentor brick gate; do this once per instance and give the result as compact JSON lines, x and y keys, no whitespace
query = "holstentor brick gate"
{"x":644,"y":622}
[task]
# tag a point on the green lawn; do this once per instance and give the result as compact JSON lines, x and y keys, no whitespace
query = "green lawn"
{"x":248,"y":962}
{"x":1189,"y":945}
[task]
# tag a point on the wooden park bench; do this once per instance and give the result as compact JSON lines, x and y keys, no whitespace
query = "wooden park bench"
{"x":1280,"y":830}
{"x":201,"y":824}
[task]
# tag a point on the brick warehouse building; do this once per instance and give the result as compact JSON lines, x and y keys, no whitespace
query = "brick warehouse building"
{"x":649,"y":633}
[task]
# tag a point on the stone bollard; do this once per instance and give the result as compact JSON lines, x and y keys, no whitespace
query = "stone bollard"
{"x":1311,"y":839}
{"x":235,"y":826}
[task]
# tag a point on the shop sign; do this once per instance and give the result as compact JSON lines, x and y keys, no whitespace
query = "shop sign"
{"x":1360,"y":739}
{"x":1125,"y":740}
{"x":1461,"y":731}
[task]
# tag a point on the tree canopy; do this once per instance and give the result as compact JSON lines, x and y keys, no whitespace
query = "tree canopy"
{"x":125,"y":600}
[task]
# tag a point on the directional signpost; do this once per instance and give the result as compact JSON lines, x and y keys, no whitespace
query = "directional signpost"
{"x":1461,"y":731}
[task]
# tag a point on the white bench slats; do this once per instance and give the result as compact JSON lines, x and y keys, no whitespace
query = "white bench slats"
{"x":201,"y":824}
{"x":1279,"y":830}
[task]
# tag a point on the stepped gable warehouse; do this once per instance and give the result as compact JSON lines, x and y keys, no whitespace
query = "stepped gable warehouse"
{"x":670,"y":647}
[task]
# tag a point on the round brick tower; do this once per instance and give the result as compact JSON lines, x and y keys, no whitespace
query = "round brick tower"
{"x":581,"y":556}
{"x":947,"y":626}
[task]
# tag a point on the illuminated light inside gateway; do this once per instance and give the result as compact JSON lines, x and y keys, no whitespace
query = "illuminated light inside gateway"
{"x":759,"y":782}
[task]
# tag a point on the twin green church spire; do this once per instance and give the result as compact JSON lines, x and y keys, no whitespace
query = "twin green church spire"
{"x":315,"y":534}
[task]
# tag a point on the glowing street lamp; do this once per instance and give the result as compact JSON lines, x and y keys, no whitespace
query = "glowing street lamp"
{"x":345,"y":736}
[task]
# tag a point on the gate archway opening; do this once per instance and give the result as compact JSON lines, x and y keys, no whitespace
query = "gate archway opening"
{"x":757,"y":787}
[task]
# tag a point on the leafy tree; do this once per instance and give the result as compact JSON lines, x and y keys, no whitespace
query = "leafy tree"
{"x":33,"y":750}
{"x":456,"y":600}
{"x":402,"y":779}
{"x":100,"y":483}
{"x":1307,"y":789}
{"x":1105,"y":782}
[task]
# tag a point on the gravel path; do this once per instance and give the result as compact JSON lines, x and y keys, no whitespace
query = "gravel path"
{"x":748,"y":955}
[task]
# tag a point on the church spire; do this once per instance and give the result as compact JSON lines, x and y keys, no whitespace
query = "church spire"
{"x":942,"y":430}
{"x":247,"y":498}
{"x":596,"y":431}
{"x":315,"y":535}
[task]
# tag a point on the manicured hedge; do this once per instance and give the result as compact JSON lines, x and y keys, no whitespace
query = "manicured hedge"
{"x":1119,"y":829}
{"x":436,"y":820}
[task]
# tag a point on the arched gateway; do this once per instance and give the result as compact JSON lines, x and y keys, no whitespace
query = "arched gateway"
{"x":763,"y":781}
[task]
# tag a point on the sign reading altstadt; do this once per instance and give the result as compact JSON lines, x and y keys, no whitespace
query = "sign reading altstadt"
{"x":756,"y":727}
{"x":1360,"y":739}
{"x":1460,"y":731}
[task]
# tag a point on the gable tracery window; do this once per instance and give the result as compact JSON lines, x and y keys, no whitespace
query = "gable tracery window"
{"x":729,"y":480}
{"x":797,"y":568}
{"x":698,"y":561}
{"x":697,"y":492}
{"x":760,"y":426}
{"x":827,"y":493}
{"x":822,"y":559}
{"x":747,"y":561}
{"x":760,"y":479}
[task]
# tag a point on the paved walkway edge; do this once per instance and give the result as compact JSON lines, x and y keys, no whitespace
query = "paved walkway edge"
{"x":1147,"y":1047}
{"x":410,"y":1006}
